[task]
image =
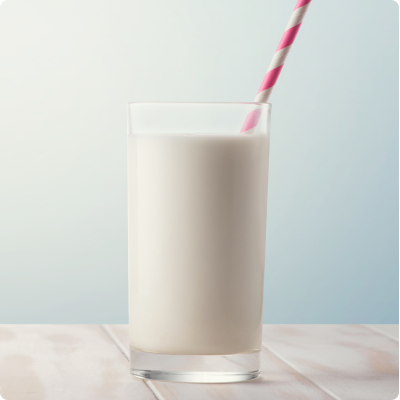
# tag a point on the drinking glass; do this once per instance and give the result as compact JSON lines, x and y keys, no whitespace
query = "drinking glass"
{"x":197,"y":202}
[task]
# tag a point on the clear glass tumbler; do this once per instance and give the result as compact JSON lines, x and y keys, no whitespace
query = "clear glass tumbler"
{"x":197,"y":224}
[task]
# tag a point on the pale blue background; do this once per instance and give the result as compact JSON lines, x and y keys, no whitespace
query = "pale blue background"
{"x":67,"y":69}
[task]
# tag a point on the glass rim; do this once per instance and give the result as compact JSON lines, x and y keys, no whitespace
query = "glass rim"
{"x":269,"y":105}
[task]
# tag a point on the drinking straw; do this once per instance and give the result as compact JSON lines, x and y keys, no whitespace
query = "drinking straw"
{"x":276,"y":65}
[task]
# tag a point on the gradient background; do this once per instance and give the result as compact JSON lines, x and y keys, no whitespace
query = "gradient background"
{"x":67,"y":70}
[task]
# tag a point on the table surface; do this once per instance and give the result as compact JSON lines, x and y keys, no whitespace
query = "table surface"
{"x":57,"y":362}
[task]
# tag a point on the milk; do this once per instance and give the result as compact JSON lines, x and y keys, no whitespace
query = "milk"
{"x":197,"y":222}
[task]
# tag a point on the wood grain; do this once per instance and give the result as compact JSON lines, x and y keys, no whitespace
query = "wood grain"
{"x":350,"y":361}
{"x":278,"y":381}
{"x":60,"y":362}
{"x":389,"y":330}
{"x":342,"y":362}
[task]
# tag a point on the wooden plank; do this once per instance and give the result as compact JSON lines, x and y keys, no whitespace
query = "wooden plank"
{"x":350,"y":361}
{"x":278,"y":382}
{"x":57,"y":362}
{"x":389,"y":330}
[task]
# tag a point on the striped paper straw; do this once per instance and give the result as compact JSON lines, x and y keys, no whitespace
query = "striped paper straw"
{"x":277,"y":62}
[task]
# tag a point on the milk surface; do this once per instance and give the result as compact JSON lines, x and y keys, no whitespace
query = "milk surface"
{"x":197,"y":222}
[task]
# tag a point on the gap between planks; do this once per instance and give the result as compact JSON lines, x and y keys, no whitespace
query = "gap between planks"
{"x":159,"y":396}
{"x":125,"y":353}
{"x":294,"y":368}
{"x":381,"y":332}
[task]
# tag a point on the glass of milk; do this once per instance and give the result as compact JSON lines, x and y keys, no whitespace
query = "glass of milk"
{"x":197,"y":208}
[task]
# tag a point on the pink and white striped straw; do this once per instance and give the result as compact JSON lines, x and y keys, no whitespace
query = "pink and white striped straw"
{"x":277,"y":62}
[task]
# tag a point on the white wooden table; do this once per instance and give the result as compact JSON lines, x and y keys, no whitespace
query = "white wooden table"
{"x":57,"y":362}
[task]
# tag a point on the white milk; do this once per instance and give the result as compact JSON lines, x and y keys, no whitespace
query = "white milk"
{"x":197,"y":222}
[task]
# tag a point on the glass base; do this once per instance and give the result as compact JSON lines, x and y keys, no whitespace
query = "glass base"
{"x":195,"y":368}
